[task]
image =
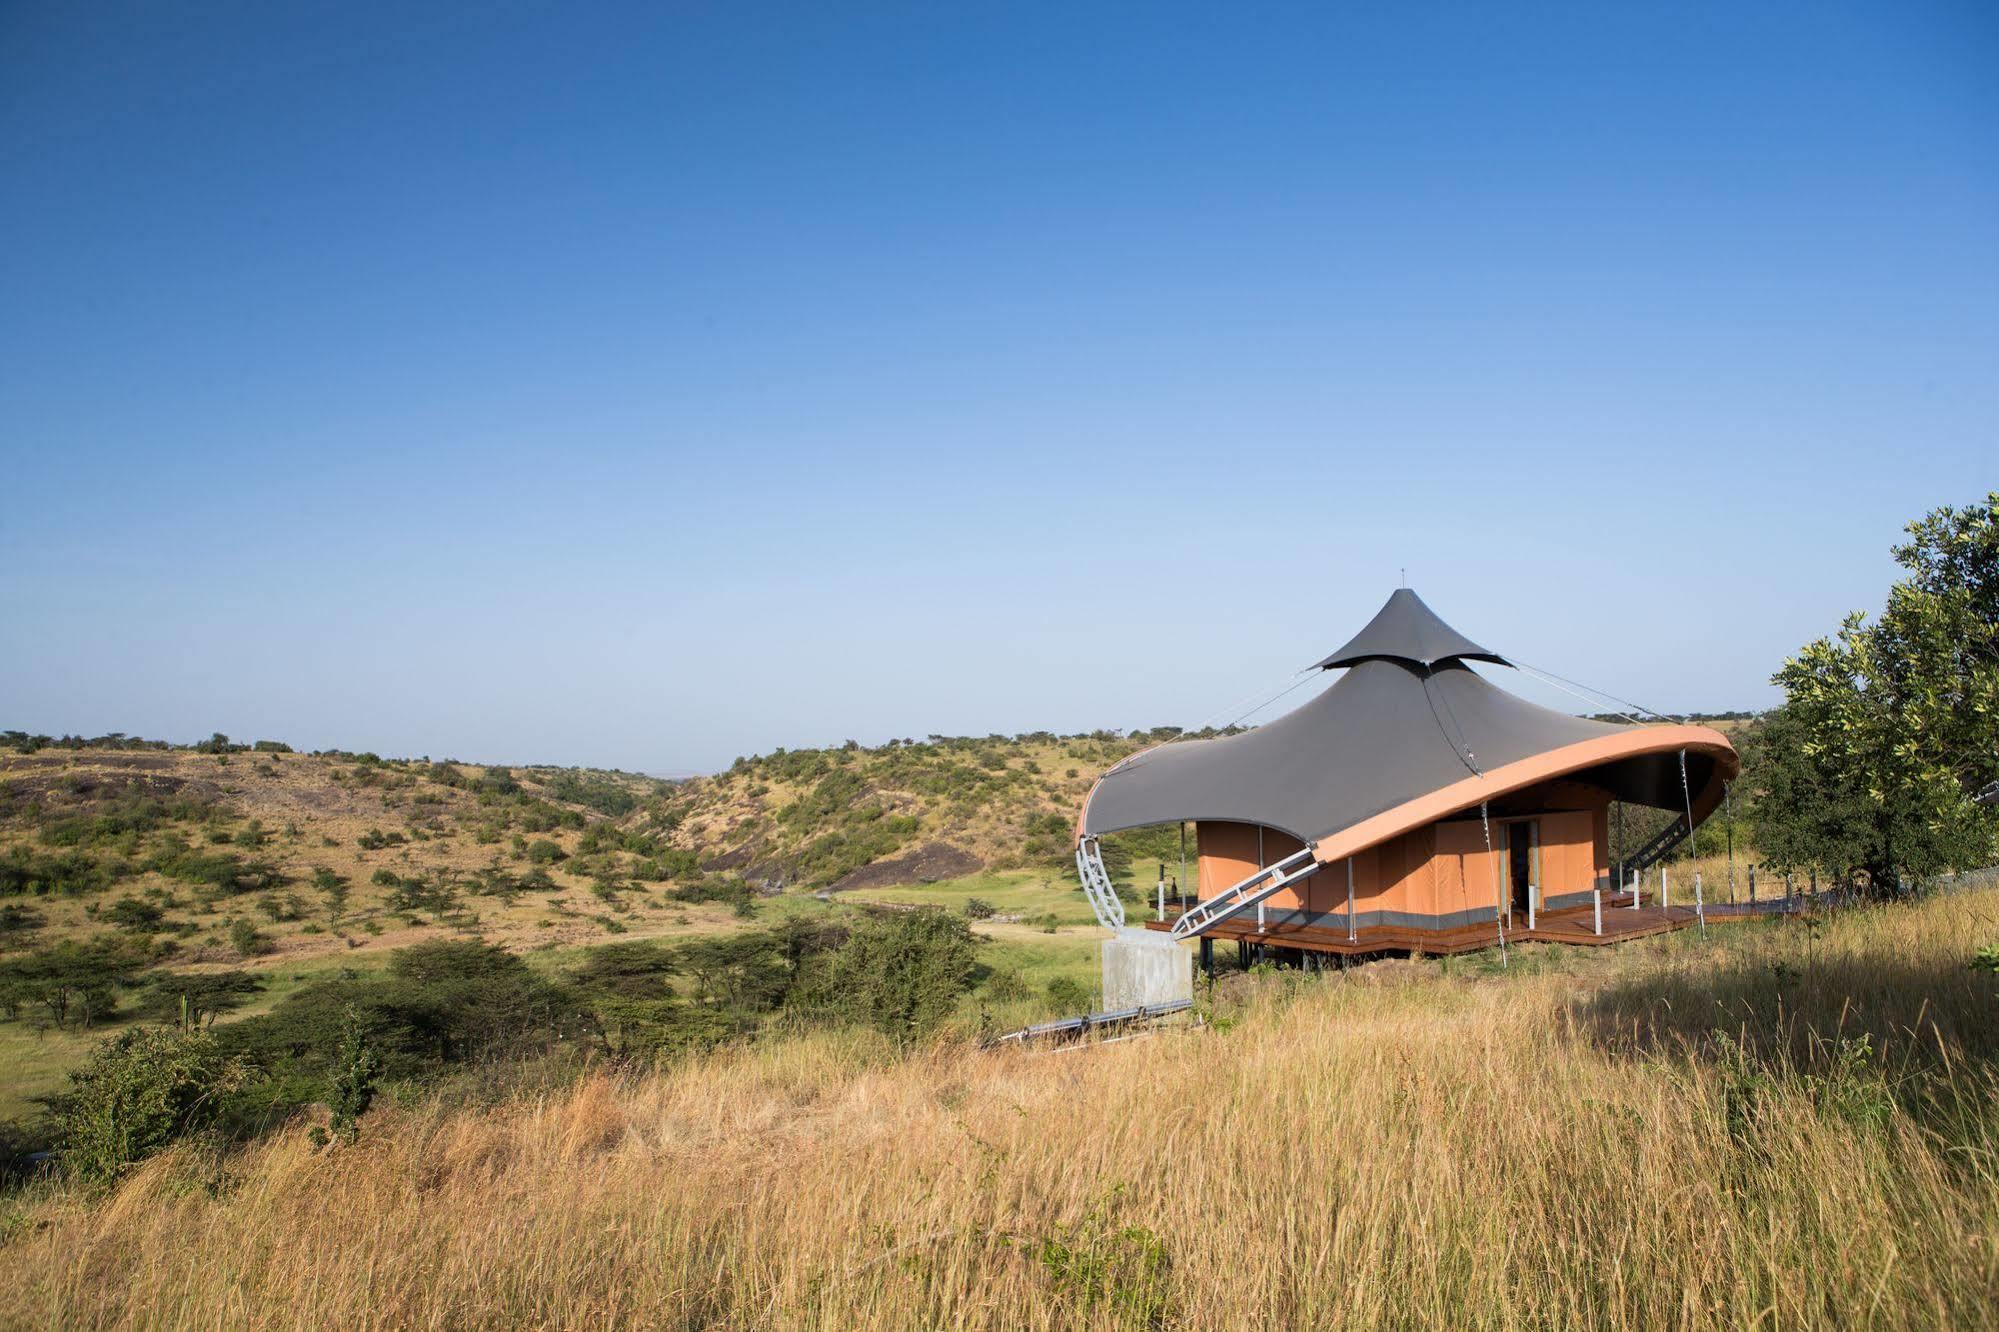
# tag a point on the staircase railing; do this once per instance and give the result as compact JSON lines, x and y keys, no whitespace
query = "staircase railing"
{"x":1657,"y":849}
{"x":1097,"y":886}
{"x":1204,"y":916}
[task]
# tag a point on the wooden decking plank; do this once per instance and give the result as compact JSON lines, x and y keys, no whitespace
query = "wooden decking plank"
{"x":1570,"y":925}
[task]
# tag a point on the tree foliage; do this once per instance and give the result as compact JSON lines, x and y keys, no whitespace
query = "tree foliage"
{"x":139,"y":1091}
{"x":1889,"y":730}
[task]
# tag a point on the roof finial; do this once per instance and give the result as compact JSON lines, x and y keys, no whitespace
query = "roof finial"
{"x":1405,"y":577}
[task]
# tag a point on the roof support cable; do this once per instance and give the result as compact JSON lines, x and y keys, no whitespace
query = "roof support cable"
{"x":1686,"y":793}
{"x":1498,"y":916}
{"x":1293,"y":681}
{"x":1458,"y":747}
{"x":1463,"y":743}
{"x":1568,"y":686}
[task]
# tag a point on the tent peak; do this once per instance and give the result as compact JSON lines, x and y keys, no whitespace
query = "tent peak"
{"x":1408,"y":631}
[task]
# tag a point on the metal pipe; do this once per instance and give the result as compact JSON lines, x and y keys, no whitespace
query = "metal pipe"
{"x":1728,"y":794}
{"x":1350,"y":917}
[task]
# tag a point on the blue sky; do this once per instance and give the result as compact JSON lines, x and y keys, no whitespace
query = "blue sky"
{"x":645,"y":386}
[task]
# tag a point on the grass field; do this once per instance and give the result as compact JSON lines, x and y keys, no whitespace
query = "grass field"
{"x":1774,"y":1125}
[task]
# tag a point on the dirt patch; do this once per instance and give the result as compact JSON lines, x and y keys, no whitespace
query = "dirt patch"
{"x":926,"y":864}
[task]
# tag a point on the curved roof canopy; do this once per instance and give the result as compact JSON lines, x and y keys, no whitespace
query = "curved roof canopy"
{"x":1408,"y":728}
{"x":1407,"y":630}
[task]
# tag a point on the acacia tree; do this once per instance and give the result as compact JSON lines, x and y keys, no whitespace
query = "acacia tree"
{"x":1888,"y":731}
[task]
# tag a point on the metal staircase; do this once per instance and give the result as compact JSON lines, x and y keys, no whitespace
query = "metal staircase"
{"x":1097,"y":886}
{"x":1204,"y":916}
{"x":1656,"y":850}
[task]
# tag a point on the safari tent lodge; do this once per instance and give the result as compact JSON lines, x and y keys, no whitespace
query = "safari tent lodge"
{"x":1413,"y":805}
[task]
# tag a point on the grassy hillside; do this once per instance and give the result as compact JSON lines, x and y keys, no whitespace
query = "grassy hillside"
{"x":291,"y":869}
{"x":1778,"y":1124}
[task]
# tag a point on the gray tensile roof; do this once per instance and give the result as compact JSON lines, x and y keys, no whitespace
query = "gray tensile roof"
{"x":1407,"y":718}
{"x":1405,"y":629}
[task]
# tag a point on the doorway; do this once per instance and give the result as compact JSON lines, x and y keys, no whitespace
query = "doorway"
{"x":1523,"y":844}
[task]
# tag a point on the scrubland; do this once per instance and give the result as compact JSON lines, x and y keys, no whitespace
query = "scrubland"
{"x":1776,"y":1124}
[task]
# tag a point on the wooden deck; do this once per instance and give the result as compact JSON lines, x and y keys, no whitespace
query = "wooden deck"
{"x":1572,"y":925}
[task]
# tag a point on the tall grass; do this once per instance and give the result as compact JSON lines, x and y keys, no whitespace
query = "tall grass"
{"x":1785,"y":1124}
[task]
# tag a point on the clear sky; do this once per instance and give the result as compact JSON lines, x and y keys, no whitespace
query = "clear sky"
{"x":645,"y":386}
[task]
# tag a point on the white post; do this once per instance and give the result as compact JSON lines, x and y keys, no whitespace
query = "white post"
{"x":1162,"y":899}
{"x":1596,"y":903}
{"x":1665,"y":892}
{"x":1259,"y":917}
{"x":1700,"y":906}
{"x":1634,"y":890}
{"x":1350,"y":920}
{"x":1533,"y":895}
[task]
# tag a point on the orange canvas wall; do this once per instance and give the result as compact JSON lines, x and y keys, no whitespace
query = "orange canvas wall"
{"x":1443,"y":870}
{"x":1229,"y":853}
{"x":1399,"y":875}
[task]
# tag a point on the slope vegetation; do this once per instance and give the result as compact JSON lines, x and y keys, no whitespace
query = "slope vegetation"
{"x":1777,"y":1125}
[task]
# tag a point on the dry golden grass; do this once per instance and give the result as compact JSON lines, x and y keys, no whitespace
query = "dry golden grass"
{"x":1563,"y":1144}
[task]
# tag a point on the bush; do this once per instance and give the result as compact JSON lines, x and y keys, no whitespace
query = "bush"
{"x":133,"y":914}
{"x":1007,"y":986}
{"x":977,"y":908}
{"x":247,"y":939}
{"x":221,"y":873}
{"x":903,"y":973}
{"x":139,"y":1092}
{"x":441,"y":1004}
{"x":606,"y":797}
{"x":68,"y":873}
{"x":1069,"y":996}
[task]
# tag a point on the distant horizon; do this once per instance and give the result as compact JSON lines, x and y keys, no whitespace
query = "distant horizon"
{"x":667,"y":774}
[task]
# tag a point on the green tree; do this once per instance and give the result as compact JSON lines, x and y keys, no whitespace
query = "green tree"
{"x":1888,"y":731}
{"x":71,"y":979}
{"x":191,"y":996}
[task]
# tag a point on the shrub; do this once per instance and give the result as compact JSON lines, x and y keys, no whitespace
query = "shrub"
{"x":138,"y":1093}
{"x":977,"y":908}
{"x":1068,"y":995}
{"x":1007,"y":986}
{"x":440,"y":1004}
{"x":221,"y":873}
{"x":903,"y":973}
{"x":544,"y":852}
{"x":133,"y":914}
{"x":247,"y":939}
{"x":604,"y":796}
{"x":68,"y":873}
